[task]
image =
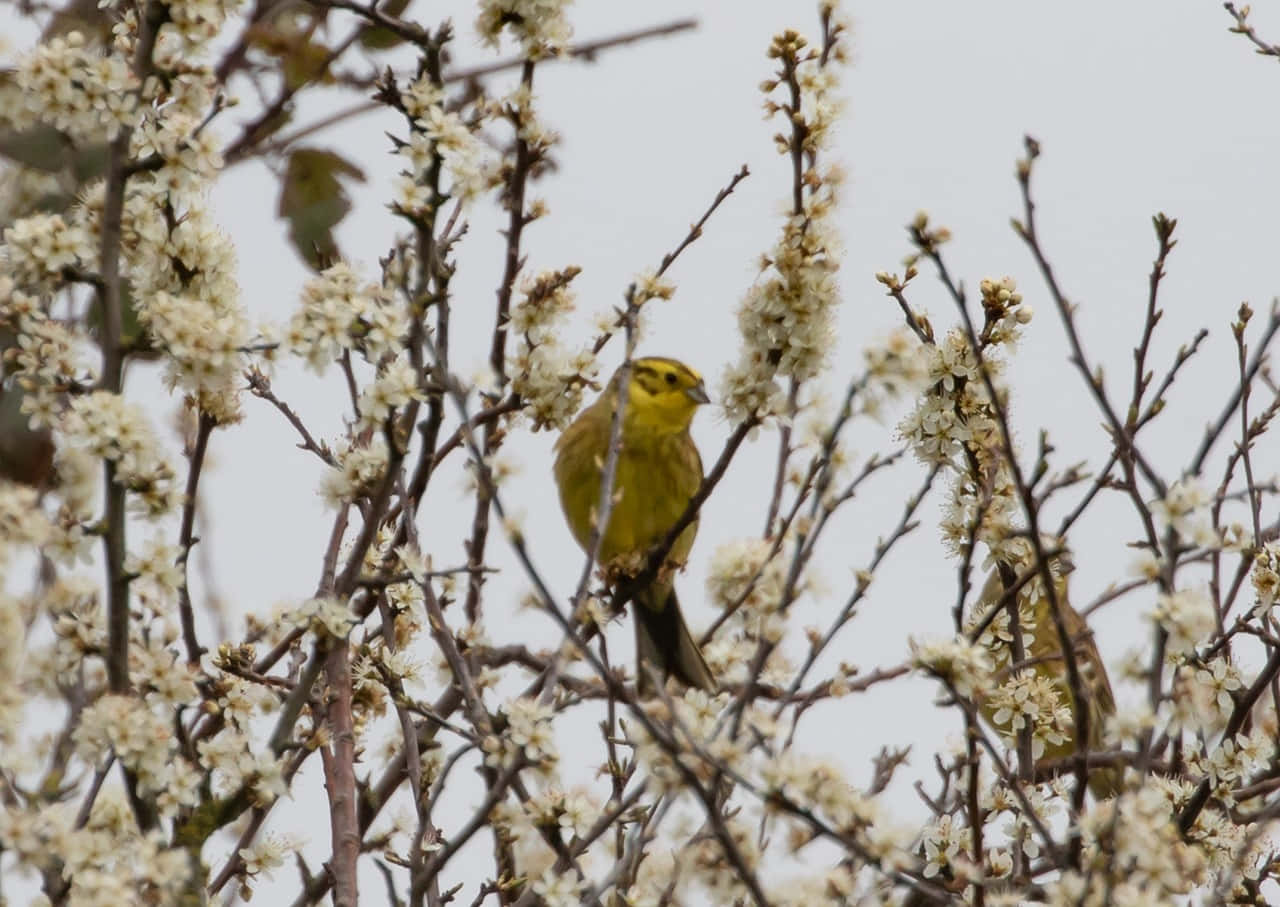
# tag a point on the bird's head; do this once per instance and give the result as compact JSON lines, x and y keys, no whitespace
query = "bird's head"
{"x":663,"y":394}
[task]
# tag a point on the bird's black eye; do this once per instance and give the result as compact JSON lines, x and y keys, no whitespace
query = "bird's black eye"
{"x":671,"y":378}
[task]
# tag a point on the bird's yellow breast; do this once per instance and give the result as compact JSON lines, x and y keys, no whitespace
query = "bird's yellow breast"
{"x":657,"y":475}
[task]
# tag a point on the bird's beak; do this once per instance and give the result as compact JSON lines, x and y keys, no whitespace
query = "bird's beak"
{"x":698,"y":393}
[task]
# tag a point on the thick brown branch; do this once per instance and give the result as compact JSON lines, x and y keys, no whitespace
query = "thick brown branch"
{"x":340,"y":776}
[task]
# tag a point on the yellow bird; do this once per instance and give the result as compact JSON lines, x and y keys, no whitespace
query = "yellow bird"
{"x":1053,"y":731}
{"x":658,"y":473}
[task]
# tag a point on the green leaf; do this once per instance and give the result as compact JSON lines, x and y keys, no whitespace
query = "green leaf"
{"x":313,"y":201}
{"x":287,"y":37}
{"x":375,"y":38}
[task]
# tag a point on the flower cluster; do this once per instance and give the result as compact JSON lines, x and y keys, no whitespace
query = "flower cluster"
{"x":1032,"y":699}
{"x":946,"y":843}
{"x":46,"y":362}
{"x":541,"y":27}
{"x":528,"y":739}
{"x":549,"y":378}
{"x":340,"y":312}
{"x":1137,"y":836}
{"x":748,"y":571}
{"x":787,"y":318}
{"x":1185,"y":510}
{"x":156,"y":670}
{"x":536,"y":136}
{"x":230,"y":757}
{"x":557,"y":889}
{"x":105,"y":858}
{"x":1188,"y":617}
{"x":186,"y":155}
{"x":440,"y":139}
{"x":359,"y":468}
{"x":238,"y":701}
{"x":1235,"y":759}
{"x":326,"y":616}
{"x":997,"y":635}
{"x":104,"y":425}
{"x":125,"y":727}
{"x":394,"y":387}
{"x":1266,"y":577}
{"x":743,"y":574}
{"x":1005,"y":312}
{"x":819,"y":784}
{"x":157,"y":576}
{"x":23,"y":525}
{"x":78,"y":620}
{"x":192,"y":24}
{"x":572,"y":811}
{"x":1201,"y":698}
{"x":179,"y":266}
{"x":39,"y":247}
{"x":960,"y":663}
{"x":896,"y":367}
{"x":204,"y":347}
{"x":940,"y":428}
{"x":957,"y":418}
{"x":75,"y":88}
{"x":268,"y":852}
{"x":956,"y":422}
{"x":193,"y":256}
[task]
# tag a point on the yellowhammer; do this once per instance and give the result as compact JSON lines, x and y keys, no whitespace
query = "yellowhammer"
{"x":658,"y":473}
{"x":1041,"y":695}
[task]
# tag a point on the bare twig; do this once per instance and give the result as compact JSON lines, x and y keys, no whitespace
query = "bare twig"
{"x":186,"y":535}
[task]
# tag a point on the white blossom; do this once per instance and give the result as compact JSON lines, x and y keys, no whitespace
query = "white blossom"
{"x":394,"y":387}
{"x":339,"y":312}
{"x":964,"y":665}
{"x":1032,"y":700}
{"x":549,"y":378}
{"x":268,"y":852}
{"x":746,"y":567}
{"x":1185,"y":510}
{"x":105,"y":425}
{"x":230,"y":757}
{"x":77,"y":89}
{"x":39,"y":247}
{"x":787,"y":318}
{"x":326,"y":616}
{"x":140,"y":739}
{"x":1266,"y":577}
{"x":358,"y":471}
{"x":1187,"y":615}
{"x":541,"y":27}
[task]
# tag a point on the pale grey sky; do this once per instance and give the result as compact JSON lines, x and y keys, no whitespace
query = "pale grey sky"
{"x":1140,"y":107}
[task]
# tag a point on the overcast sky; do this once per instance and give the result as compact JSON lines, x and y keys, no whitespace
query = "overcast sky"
{"x":1140,"y":107}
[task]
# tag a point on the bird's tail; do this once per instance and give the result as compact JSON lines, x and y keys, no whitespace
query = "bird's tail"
{"x":1104,"y":783}
{"x":663,"y":642}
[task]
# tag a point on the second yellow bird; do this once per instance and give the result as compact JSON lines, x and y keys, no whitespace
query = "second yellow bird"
{"x":1054,"y":730}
